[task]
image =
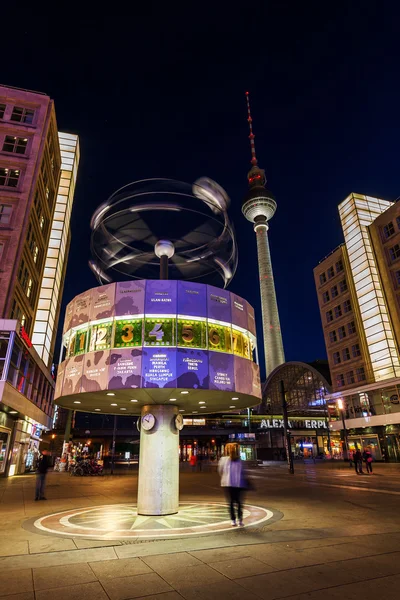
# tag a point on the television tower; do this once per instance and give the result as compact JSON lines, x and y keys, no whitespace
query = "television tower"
{"x":259,"y":207}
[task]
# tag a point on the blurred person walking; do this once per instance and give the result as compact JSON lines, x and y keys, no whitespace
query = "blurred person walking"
{"x":367,"y":458}
{"x":41,"y":473}
{"x":358,"y":461}
{"x":231,"y":471}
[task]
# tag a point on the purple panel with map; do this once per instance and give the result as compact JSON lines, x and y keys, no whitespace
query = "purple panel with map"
{"x":192,"y":299}
{"x":161,"y":297}
{"x":129,"y":298}
{"x":251,"y":320}
{"x":192,"y":369}
{"x":221,"y":371}
{"x":256,"y":380}
{"x":82,"y":305}
{"x":243,"y":375}
{"x":239,"y":311}
{"x":95,"y":371}
{"x":125,"y":370}
{"x":59,"y":380}
{"x":159,"y":367}
{"x":102,"y":305}
{"x":73,"y":375}
{"x":218,"y":304}
{"x":69,"y":313}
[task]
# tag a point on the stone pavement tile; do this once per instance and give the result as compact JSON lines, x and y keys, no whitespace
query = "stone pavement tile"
{"x":22,"y":596}
{"x":169,"y":562}
{"x":225,"y":590}
{"x":197,"y":576}
{"x":94,"y":543}
{"x":241,"y":567}
{"x":218,"y":554}
{"x":13,"y":548}
{"x":18,"y":581}
{"x":86,"y":591}
{"x":165,"y":596}
{"x":125,"y":567}
{"x":50,"y":544}
{"x":52,"y":559}
{"x":125,"y":588}
{"x":56,"y":577}
{"x":383,"y":587}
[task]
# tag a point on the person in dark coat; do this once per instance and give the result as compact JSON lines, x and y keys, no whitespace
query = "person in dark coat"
{"x":358,"y":462}
{"x":41,"y":473}
{"x":367,"y":458}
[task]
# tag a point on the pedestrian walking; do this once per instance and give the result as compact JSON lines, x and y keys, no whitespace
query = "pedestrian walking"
{"x":367,"y":458}
{"x":231,"y":471}
{"x":193,"y":461}
{"x":42,"y":466}
{"x":358,"y":462}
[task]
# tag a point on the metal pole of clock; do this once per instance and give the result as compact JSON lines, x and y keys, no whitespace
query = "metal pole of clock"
{"x":113,"y":445}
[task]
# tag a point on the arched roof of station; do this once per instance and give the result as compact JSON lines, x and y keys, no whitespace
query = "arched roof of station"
{"x":306,"y":385}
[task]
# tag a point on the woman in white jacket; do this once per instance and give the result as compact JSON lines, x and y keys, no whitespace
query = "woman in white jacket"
{"x":231,"y":471}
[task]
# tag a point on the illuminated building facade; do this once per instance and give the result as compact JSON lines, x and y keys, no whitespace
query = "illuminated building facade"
{"x":358,"y":287}
{"x":35,"y":206}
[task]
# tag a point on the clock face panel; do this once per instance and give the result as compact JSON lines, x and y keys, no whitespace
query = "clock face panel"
{"x":179,"y":422}
{"x":148,"y":421}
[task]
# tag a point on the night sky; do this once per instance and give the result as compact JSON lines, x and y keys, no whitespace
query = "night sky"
{"x":160,"y":92}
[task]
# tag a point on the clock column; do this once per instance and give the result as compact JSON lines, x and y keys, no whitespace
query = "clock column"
{"x":158,"y":489}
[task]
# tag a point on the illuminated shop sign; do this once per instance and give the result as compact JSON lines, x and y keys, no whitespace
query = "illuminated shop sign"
{"x":25,"y":337}
{"x":294,"y":424}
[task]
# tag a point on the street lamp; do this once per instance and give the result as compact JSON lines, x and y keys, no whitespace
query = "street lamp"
{"x":340,"y":406}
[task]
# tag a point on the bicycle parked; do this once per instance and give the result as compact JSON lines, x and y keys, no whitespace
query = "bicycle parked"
{"x":86,"y":467}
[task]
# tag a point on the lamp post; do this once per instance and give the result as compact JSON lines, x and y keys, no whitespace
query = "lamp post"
{"x":327,"y":423}
{"x":340,"y":406}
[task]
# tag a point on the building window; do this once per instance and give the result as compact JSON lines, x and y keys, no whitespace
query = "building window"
{"x":336,"y":358}
{"x":332,"y":336}
{"x":28,"y":290}
{"x":325,"y":297}
{"x":341,"y":332}
{"x":398,"y":222}
{"x":322,"y":278}
{"x":339,"y":266}
{"x":347,"y":306}
{"x":331,"y":273}
{"x":350,"y":377}
{"x":346,"y":354}
{"x":394,"y":251}
{"x":9,"y":177}
{"x":343,"y":286}
{"x":338,"y":311}
{"x":5,"y":214}
{"x":334,"y":291}
{"x":35,"y":253}
{"x":2,"y":110}
{"x":329,"y":316}
{"x":397,"y":277}
{"x":41,"y":222}
{"x":15,"y":144}
{"x":1,"y":249}
{"x":360,"y":374}
{"x":356,"y":350}
{"x":351,"y":327}
{"x":22,"y":115}
{"x":388,"y":230}
{"x":340,"y":380}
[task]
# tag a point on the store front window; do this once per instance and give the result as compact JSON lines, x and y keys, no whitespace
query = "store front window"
{"x":4,"y":442}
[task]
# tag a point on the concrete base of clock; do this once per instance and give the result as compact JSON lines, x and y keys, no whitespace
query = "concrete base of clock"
{"x":158,"y":491}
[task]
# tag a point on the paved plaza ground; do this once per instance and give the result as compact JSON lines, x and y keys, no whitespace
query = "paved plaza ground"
{"x":324,"y":533}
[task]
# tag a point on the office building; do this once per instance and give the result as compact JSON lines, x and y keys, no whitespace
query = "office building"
{"x":38,"y":168}
{"x":358,"y":287}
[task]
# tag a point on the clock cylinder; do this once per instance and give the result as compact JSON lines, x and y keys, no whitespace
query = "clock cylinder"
{"x":158,"y":489}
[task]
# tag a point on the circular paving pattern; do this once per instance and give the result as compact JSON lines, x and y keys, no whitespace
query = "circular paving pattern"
{"x":121,"y":521}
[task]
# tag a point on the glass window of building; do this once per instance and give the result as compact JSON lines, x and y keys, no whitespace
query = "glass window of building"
{"x":350,"y":377}
{"x":351,"y":327}
{"x":334,"y":291}
{"x":2,"y":110}
{"x":388,"y":229}
{"x":1,"y":249}
{"x":342,"y":332}
{"x":347,"y":306}
{"x":394,"y":252}
{"x":329,"y":316}
{"x":338,"y":311}
{"x":360,"y":374}
{"x":5,"y":213}
{"x":22,"y":115}
{"x":340,"y":380}
{"x":13,"y":368}
{"x":15,"y":144}
{"x":339,"y":266}
{"x":4,"y":341}
{"x":336,"y":358}
{"x":356,"y":350}
{"x":346,"y":354}
{"x":332,"y":336}
{"x":322,"y":278}
{"x":343,"y":286}
{"x":331,"y":273}
{"x":325,"y":297}
{"x":398,"y":222}
{"x":397,"y":277}
{"x":9,"y":177}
